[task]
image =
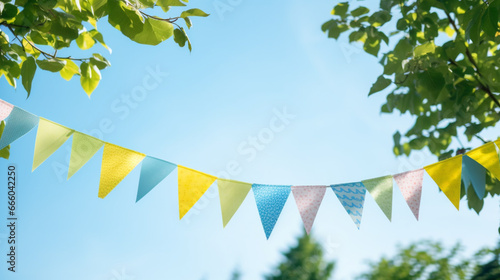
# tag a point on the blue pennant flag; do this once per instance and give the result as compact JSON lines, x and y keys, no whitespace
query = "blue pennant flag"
{"x":352,"y":197}
{"x":18,"y":123}
{"x":270,"y":200}
{"x":153,"y":171}
{"x":475,"y":173}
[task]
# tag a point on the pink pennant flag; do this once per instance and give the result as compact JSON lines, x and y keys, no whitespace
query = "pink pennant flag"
{"x":308,"y":199}
{"x":5,"y":109}
{"x":410,"y":184}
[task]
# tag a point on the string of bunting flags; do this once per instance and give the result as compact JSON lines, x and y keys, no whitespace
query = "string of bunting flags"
{"x":117,"y":162}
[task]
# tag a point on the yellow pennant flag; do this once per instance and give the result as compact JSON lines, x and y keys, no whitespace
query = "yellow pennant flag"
{"x":117,"y":163}
{"x":231,"y":195}
{"x":49,"y":137}
{"x":487,"y":156}
{"x":192,"y":184}
{"x":447,"y":174}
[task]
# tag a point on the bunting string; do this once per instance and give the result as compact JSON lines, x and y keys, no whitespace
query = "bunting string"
{"x":469,"y":168}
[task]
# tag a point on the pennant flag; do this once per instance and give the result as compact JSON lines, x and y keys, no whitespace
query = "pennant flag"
{"x":5,"y":109}
{"x":83,"y":149}
{"x":308,"y":199}
{"x":231,"y":195}
{"x":487,"y":156}
{"x":381,"y":190}
{"x":18,"y":123}
{"x":475,"y":174}
{"x":447,"y":174}
{"x":352,"y":197}
{"x":153,"y":171}
{"x":270,"y":201}
{"x":192,"y":185}
{"x":117,"y":163}
{"x":410,"y":184}
{"x":49,"y":137}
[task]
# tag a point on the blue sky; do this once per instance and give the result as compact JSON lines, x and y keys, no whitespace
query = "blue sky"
{"x":247,"y":64}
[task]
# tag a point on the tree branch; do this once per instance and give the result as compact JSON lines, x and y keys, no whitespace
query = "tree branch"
{"x":483,"y":87}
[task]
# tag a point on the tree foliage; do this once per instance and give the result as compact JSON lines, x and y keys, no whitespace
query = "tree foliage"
{"x":305,"y":261}
{"x":426,"y":260}
{"x":440,"y":61}
{"x":34,"y":33}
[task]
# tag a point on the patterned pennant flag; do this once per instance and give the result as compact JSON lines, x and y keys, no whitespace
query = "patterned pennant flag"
{"x":231,"y":194}
{"x":270,"y":201}
{"x":352,"y":197}
{"x":475,"y":174}
{"x":18,"y":123}
{"x":447,"y":174}
{"x":49,"y":137}
{"x":117,"y":163}
{"x":487,"y":156}
{"x":153,"y":171}
{"x":5,"y":109}
{"x":381,"y":190}
{"x":410,"y":184}
{"x":83,"y":149}
{"x":192,"y":184}
{"x":308,"y":199}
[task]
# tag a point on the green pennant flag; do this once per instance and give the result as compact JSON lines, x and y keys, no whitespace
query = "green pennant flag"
{"x":231,"y":195}
{"x":381,"y":190}
{"x":83,"y":149}
{"x":49,"y":137}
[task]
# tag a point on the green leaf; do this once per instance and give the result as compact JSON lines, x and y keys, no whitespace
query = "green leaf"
{"x":340,"y":9}
{"x":360,"y":11}
{"x":380,"y":18}
{"x":51,"y":64}
{"x":372,"y":45}
{"x":379,"y":85}
{"x":180,"y":37}
{"x":90,"y":77}
{"x":28,"y":70}
{"x":98,"y":37}
{"x":194,"y":13}
{"x":473,"y":201}
{"x":125,"y":18}
{"x":99,"y":61}
{"x":9,"y":11}
{"x":5,"y":152}
{"x":424,"y":49}
{"x":188,"y":22}
{"x":490,"y":22}
{"x":154,"y":32}
{"x":69,"y":70}
{"x":85,"y":41}
{"x":166,"y":4}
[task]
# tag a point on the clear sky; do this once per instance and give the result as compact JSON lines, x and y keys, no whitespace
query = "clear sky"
{"x":248,"y":64}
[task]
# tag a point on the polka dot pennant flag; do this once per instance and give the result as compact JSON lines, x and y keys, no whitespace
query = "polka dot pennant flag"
{"x":308,"y":199}
{"x":270,"y":200}
{"x":5,"y":109}
{"x":410,"y":184}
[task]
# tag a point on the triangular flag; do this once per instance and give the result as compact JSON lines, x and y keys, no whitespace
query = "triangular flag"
{"x":5,"y":109}
{"x":153,"y":171}
{"x":49,"y":137}
{"x":308,"y":199}
{"x":117,"y":163}
{"x":270,"y":200}
{"x":17,"y":124}
{"x":447,"y":174}
{"x":231,"y":195}
{"x":410,"y":184}
{"x":487,"y":156}
{"x":192,"y":184}
{"x":475,"y":174}
{"x":381,"y":190}
{"x":83,"y":149}
{"x":352,"y":197}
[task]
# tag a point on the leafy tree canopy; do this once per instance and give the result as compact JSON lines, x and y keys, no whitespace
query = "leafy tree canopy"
{"x":305,"y":261}
{"x":35,"y":32}
{"x":440,"y":62}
